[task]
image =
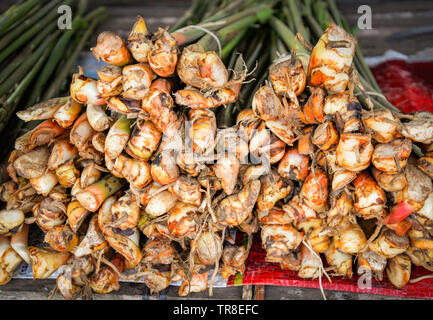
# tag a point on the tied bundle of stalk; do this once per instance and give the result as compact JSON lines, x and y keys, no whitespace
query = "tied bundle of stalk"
{"x":37,"y":56}
{"x":98,"y":174}
{"x":352,"y":161}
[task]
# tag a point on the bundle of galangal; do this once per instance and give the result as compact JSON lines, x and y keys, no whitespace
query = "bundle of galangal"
{"x":130,"y":178}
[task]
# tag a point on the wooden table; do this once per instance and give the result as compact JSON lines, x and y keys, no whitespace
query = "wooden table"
{"x":388,"y":17}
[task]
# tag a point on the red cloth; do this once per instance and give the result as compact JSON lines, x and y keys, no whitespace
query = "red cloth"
{"x":409,"y":86}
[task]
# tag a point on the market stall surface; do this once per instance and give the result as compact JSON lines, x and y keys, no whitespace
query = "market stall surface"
{"x":390,"y":19}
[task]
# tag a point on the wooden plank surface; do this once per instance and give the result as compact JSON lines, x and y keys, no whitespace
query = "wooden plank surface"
{"x":389,"y":17}
{"x":22,"y":289}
